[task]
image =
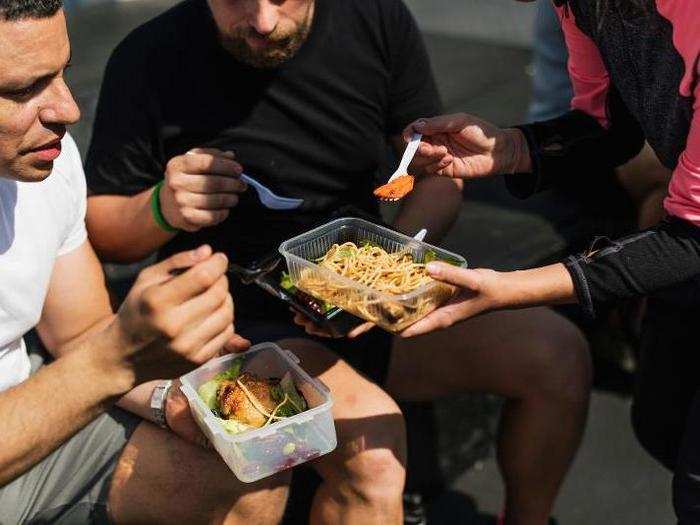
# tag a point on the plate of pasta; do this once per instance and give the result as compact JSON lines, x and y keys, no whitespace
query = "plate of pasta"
{"x":368,"y":270}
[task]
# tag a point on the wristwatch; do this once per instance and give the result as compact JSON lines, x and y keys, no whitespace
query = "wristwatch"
{"x":158,"y":398}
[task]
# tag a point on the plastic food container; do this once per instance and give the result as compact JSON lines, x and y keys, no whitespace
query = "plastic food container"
{"x":392,"y":312}
{"x":261,"y":452}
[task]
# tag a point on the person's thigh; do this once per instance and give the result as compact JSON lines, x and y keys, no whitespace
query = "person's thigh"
{"x":504,"y":353}
{"x":686,"y":479}
{"x":369,"y":424}
{"x":161,"y":478}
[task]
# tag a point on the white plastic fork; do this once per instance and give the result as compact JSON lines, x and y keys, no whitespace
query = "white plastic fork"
{"x":412,"y":243}
{"x":269,"y":199}
{"x":406,"y":159}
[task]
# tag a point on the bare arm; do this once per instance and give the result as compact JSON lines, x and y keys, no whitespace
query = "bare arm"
{"x":434,"y":203}
{"x":483,"y":290}
{"x":41,"y":413}
{"x":130,"y":238}
{"x":166,"y":326}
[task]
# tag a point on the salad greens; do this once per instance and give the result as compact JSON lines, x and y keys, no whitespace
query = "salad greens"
{"x":233,"y":372}
{"x":431,"y":256}
{"x":287,"y":284}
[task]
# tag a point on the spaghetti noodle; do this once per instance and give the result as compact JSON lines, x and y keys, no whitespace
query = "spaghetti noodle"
{"x":370,"y":265}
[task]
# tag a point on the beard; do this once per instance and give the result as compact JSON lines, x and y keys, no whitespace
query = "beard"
{"x":282,"y":45}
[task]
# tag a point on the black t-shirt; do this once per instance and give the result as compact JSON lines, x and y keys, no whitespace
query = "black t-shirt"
{"x":315,"y":128}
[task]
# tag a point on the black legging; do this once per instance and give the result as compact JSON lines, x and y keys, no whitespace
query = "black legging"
{"x":666,"y":409}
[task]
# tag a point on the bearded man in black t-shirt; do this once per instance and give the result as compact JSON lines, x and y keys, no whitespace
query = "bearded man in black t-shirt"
{"x":307,"y":96}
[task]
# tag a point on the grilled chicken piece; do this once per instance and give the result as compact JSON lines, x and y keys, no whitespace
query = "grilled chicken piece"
{"x":234,"y":404}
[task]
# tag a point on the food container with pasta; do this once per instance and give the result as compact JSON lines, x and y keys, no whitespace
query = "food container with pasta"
{"x":261,"y":452}
{"x":364,"y":269}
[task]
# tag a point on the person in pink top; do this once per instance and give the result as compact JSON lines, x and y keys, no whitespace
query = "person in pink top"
{"x":634,"y":67}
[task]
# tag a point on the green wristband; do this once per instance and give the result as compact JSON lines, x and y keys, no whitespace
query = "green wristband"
{"x":158,"y":213}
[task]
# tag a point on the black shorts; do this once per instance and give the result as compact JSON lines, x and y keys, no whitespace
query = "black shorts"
{"x":369,"y":354}
{"x":666,"y":408}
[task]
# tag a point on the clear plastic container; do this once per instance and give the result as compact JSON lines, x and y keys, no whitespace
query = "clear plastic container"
{"x":261,"y":452}
{"x":392,"y":312}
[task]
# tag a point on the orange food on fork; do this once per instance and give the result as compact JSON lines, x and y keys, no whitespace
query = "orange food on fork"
{"x":396,"y":189}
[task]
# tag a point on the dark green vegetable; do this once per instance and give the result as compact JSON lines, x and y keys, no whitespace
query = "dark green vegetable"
{"x":286,"y":283}
{"x":430,"y":256}
{"x":232,"y":373}
{"x":295,"y":403}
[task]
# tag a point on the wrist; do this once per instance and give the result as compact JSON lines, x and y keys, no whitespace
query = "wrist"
{"x":161,"y":209}
{"x":548,"y":285}
{"x":519,"y":153}
{"x":102,"y":359}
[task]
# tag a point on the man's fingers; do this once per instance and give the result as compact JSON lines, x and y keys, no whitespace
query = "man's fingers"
{"x":197,"y":336}
{"x":198,"y":279}
{"x":359,"y":330}
{"x":431,"y":151}
{"x":442,"y":124}
{"x":438,"y":168}
{"x":160,"y":272}
{"x":198,"y":163}
{"x":206,"y":201}
{"x":195,"y":310}
{"x":235,"y":345}
{"x":309,"y":326}
{"x":213,"y":151}
{"x":202,"y":218}
{"x":208,"y":183}
{"x":213,"y":347}
{"x":461,"y":277}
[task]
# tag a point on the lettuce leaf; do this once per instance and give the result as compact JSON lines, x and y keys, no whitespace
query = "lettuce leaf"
{"x":232,"y":373}
{"x":207,"y":392}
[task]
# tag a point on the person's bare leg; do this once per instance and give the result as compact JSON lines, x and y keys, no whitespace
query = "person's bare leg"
{"x":363,"y":478}
{"x":539,"y":362}
{"x":162,"y":479}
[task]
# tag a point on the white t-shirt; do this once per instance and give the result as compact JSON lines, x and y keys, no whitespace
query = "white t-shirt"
{"x":39,"y":221}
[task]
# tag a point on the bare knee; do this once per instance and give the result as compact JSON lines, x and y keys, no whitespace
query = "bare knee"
{"x":369,"y":463}
{"x":376,"y":476}
{"x":561,"y":365}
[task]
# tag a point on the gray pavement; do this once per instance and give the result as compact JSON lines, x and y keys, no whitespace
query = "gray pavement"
{"x":480,"y":53}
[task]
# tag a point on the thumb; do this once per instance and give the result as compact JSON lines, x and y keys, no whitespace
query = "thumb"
{"x":442,"y":124}
{"x":212,"y":151}
{"x":235,"y":345}
{"x":174,"y":265}
{"x":462,"y":277}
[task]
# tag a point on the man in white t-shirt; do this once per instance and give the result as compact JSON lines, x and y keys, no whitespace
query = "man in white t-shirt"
{"x":66,"y":455}
{"x":62,"y":458}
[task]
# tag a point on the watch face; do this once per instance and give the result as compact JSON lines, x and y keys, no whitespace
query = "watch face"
{"x":158,"y":399}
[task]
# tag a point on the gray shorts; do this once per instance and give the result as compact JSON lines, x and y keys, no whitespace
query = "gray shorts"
{"x":71,"y":485}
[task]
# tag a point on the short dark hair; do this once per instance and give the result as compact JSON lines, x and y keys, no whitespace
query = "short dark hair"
{"x":20,"y":9}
